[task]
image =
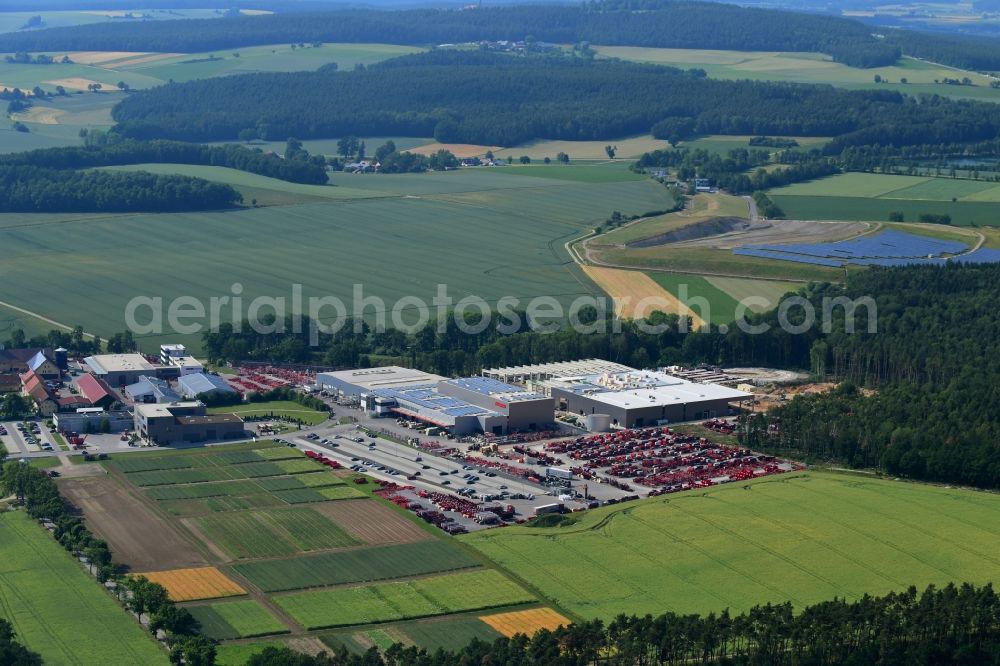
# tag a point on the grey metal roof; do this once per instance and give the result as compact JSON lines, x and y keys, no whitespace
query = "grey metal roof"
{"x":192,"y":385}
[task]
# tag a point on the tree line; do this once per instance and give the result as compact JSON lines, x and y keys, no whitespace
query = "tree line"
{"x":112,"y":149}
{"x":681,"y":24}
{"x":32,"y":189}
{"x":495,"y":99}
{"x":40,"y":496}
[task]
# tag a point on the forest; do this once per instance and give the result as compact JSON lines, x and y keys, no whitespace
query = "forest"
{"x":936,"y":627}
{"x":930,"y":413}
{"x":681,"y":24}
{"x":496,"y":99}
{"x":32,"y":189}
{"x":113,"y":150}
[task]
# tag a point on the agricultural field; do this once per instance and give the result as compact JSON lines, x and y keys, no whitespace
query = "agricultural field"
{"x":526,"y":622}
{"x":276,"y":408}
{"x":696,"y":293}
{"x":253,"y":534}
{"x":635,"y":295}
{"x":417,"y":228}
{"x":865,"y":196}
{"x":236,"y":619}
{"x":438,"y":595}
{"x":813,"y":68}
{"x":196,"y":583}
{"x":355,"y":566}
{"x":14,"y":21}
{"x":145,"y":70}
{"x":627,"y":148}
{"x":735,"y":546}
{"x":699,"y":208}
{"x":723,"y":143}
{"x":57,"y":609}
{"x":450,"y":633}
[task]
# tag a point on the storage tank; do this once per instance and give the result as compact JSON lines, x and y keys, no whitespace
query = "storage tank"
{"x":62,"y":358}
{"x":598,"y":422}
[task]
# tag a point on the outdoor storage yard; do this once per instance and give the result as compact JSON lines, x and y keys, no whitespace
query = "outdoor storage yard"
{"x":259,"y":540}
{"x":805,"y":537}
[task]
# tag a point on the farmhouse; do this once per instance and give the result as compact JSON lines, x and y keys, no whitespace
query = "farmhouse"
{"x":10,"y":382}
{"x":39,"y":361}
{"x":640,"y":398}
{"x":184,"y":422}
{"x":191,"y":386}
{"x":34,"y":387}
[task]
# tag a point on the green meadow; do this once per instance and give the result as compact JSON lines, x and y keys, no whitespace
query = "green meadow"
{"x":803,"y":538}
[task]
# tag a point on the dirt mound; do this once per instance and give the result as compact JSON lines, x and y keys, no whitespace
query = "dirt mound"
{"x":710,"y":227}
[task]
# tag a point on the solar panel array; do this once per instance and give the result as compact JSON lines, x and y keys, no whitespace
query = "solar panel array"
{"x":494,"y":387}
{"x":890,"y":248}
{"x":981,"y":256}
{"x":426,"y":396}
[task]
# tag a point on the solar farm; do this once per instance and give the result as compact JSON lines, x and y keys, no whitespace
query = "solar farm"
{"x":890,"y":248}
{"x":260,"y":540}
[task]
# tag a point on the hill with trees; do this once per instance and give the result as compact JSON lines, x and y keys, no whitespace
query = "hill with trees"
{"x":497,"y":99}
{"x":681,"y":24}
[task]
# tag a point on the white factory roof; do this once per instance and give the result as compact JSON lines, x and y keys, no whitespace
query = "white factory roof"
{"x":104,"y":363}
{"x":590,"y":366}
{"x":370,"y":379}
{"x":642,"y":388}
{"x":152,"y":410}
{"x":192,"y":385}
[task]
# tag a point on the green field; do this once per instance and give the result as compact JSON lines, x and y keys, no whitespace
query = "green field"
{"x":741,"y":288}
{"x":627,"y":148}
{"x":803,"y":538}
{"x":385,"y":602}
{"x":237,"y":654}
{"x":277,"y":408}
{"x":698,"y":291}
{"x":813,"y":68}
{"x":13,"y":21}
{"x":355,"y":566}
{"x":452,"y":633}
{"x":236,"y":619}
{"x":253,"y":534}
{"x":866,"y":196}
{"x":57,"y":609}
{"x":403,"y":244}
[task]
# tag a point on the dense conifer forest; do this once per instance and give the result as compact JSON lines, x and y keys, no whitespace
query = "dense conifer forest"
{"x":496,"y":99}
{"x":681,"y":24}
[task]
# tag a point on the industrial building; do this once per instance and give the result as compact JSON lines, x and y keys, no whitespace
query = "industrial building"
{"x":92,"y":420}
{"x":534,"y":377}
{"x":184,"y":422}
{"x":459,"y":406}
{"x":120,"y":369}
{"x":353,"y":383}
{"x":151,"y":389}
{"x":176,"y":356}
{"x":638,"y":398}
{"x":96,"y":391}
{"x":191,"y":386}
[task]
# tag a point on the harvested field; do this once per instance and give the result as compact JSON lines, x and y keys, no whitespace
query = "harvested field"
{"x":373,"y":523}
{"x":460,"y":150}
{"x":80,"y":83}
{"x":636,"y":295}
{"x":97,"y":57}
{"x":137,"y":536}
{"x":194,"y":584}
{"x":139,"y":59}
{"x":43,"y":115}
{"x":526,"y":622}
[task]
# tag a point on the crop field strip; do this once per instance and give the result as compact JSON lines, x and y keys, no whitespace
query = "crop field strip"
{"x":196,"y":583}
{"x":773,"y":541}
{"x":254,"y":534}
{"x":57,"y":609}
{"x":422,"y":597}
{"x":236,"y":619}
{"x":526,"y":622}
{"x":524,"y":225}
{"x":356,"y":566}
{"x":447,"y":633}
